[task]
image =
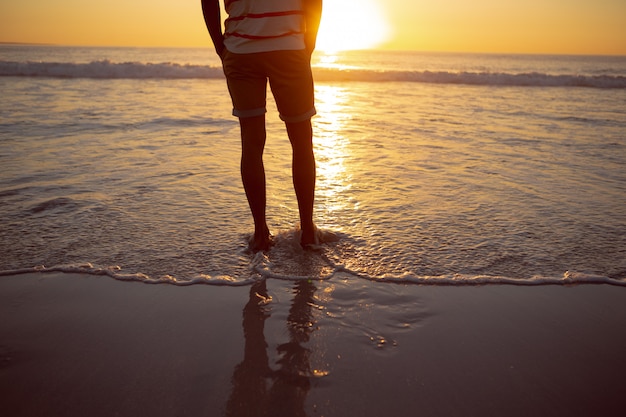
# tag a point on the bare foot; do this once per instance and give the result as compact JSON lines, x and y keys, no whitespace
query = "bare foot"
{"x":313,"y":240}
{"x":262,"y":242}
{"x":309,"y":237}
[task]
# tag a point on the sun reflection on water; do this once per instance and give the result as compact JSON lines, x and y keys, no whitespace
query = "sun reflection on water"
{"x":332,"y":149}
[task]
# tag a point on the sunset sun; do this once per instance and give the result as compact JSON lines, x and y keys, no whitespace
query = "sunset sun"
{"x":352,"y":24}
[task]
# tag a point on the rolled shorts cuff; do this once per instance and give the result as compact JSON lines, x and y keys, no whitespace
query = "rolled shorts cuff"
{"x":242,"y":114}
{"x":300,"y":118}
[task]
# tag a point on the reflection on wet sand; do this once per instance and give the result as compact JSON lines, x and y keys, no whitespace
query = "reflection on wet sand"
{"x":257,"y":389}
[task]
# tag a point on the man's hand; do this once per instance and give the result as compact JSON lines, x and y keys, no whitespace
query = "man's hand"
{"x":213,"y":21}
{"x":312,"y":17}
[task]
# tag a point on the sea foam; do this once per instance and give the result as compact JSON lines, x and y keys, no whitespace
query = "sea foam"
{"x":261,"y":269}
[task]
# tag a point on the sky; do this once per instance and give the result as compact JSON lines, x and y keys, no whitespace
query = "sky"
{"x":526,"y":26}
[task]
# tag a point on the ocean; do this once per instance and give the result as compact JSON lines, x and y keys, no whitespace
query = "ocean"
{"x":432,"y":168}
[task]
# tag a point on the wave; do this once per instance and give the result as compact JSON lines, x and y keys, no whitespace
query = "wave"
{"x":261,"y":270}
{"x":106,"y":69}
{"x":531,"y":79}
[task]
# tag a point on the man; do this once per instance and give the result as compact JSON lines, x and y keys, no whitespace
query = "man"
{"x":270,"y":40}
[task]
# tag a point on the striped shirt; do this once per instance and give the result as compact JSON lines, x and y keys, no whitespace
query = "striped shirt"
{"x":264,"y":25}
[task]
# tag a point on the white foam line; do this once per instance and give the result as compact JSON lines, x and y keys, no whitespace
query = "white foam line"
{"x":111,"y":272}
{"x":263,"y":272}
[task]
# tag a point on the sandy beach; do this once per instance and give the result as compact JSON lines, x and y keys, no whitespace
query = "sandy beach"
{"x":78,"y":345}
{"x":475,"y":196}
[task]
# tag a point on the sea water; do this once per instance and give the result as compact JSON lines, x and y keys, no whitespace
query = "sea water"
{"x":432,"y":168}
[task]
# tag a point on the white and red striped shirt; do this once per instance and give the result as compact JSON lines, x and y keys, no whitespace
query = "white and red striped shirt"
{"x":264,"y":25}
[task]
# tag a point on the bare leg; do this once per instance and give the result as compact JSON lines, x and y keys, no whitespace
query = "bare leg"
{"x":253,"y":177}
{"x":303,"y":168}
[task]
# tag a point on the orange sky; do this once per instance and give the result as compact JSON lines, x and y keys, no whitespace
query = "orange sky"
{"x":528,"y":26}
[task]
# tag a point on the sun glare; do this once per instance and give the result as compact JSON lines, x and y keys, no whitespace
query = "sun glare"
{"x":351,"y":24}
{"x":332,"y":149}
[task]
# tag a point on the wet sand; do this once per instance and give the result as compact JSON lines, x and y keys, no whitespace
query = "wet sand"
{"x":80,"y":345}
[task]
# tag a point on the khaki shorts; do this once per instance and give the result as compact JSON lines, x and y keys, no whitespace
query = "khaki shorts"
{"x":290,"y":79}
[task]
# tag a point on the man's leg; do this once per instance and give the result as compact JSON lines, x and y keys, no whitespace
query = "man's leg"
{"x":303,"y":168}
{"x":253,"y":177}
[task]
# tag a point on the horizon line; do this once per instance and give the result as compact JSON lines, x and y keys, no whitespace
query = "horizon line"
{"x":321,"y":51}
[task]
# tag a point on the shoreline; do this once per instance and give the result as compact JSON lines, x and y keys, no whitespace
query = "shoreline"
{"x":85,"y":345}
